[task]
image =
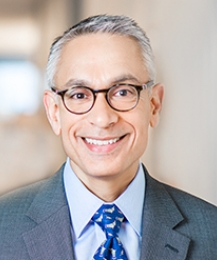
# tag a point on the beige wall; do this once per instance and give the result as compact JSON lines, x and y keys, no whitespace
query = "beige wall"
{"x":183,"y":149}
{"x":29,"y":151}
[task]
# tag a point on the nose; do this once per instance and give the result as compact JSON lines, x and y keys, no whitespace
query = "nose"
{"x":102,"y":115}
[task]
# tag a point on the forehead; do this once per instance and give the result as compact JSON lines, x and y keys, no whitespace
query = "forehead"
{"x":100,"y":56}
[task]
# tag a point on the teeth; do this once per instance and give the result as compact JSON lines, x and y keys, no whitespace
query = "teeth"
{"x":101,"y":142}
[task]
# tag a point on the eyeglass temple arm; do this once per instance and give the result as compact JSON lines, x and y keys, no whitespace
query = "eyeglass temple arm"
{"x":148,"y":84}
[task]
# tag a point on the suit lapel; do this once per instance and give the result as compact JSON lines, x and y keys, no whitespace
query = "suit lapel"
{"x":160,"y":240}
{"x":51,"y":236}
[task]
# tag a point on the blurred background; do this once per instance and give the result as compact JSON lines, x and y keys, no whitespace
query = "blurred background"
{"x":182,"y":150}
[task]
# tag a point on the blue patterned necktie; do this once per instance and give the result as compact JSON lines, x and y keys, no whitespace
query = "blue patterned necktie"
{"x":109,"y":218}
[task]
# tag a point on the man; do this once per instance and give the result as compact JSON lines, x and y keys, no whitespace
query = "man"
{"x":102,"y":100}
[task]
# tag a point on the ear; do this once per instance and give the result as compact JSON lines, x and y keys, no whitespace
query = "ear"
{"x":52,"y":111}
{"x":156,"y":99}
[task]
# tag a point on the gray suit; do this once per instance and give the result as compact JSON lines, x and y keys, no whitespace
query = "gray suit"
{"x":35,"y":224}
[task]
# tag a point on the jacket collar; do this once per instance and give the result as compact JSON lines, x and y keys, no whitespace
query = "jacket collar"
{"x":51,"y":236}
{"x":160,"y":240}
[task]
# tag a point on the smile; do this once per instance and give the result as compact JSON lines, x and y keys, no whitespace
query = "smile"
{"x":101,"y":142}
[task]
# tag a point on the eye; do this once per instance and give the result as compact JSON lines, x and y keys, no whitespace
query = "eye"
{"x":78,"y":93}
{"x":124,"y":91}
{"x":78,"y":96}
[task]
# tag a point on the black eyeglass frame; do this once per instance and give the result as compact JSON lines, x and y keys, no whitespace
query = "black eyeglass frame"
{"x":138,"y":88}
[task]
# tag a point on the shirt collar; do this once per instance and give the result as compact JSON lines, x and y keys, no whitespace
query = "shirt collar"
{"x":83,"y":204}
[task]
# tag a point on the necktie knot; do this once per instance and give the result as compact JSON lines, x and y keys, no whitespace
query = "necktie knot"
{"x":109,"y":218}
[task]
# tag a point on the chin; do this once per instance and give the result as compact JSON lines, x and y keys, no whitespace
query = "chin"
{"x":102,"y":174}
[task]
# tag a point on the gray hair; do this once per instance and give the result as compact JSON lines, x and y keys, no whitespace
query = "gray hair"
{"x":119,"y":25}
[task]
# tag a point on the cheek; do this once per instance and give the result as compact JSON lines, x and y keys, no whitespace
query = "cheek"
{"x":139,"y":122}
{"x":139,"y":137}
{"x":68,"y":137}
{"x":68,"y":126}
{"x":141,"y":117}
{"x":141,"y":133}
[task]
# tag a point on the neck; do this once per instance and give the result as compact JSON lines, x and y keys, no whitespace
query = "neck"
{"x":107,"y":188}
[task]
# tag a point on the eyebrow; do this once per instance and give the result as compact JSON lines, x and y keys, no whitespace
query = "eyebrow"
{"x":116,"y":80}
{"x":126,"y":77}
{"x":76,"y":82}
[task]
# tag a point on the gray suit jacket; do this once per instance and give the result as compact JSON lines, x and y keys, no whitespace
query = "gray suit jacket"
{"x":35,"y":224}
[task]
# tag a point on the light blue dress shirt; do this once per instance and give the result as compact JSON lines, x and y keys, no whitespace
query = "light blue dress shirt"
{"x":87,"y":236}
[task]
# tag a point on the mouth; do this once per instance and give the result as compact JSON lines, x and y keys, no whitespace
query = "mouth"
{"x":103,"y":146}
{"x":102,"y":142}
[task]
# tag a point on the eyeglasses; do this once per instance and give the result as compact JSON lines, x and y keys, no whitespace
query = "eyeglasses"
{"x":121,"y":97}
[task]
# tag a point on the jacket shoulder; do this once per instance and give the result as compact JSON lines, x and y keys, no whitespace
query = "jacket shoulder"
{"x":199,"y":216}
{"x":14,"y":204}
{"x":190,"y":203}
{"x":185,"y":201}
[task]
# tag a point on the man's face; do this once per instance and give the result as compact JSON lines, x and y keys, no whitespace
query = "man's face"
{"x":103,"y":143}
